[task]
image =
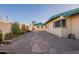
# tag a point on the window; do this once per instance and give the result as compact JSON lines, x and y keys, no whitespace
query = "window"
{"x":46,"y":26}
{"x":63,"y":22}
{"x":57,"y":24}
{"x":41,"y":26}
{"x":37,"y":26}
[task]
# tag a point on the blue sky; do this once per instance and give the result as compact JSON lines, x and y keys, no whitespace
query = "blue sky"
{"x":26,"y":13}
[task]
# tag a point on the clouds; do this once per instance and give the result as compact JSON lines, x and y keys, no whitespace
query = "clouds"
{"x":26,"y":13}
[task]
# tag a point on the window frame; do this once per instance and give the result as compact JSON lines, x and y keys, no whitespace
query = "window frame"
{"x":60,"y":24}
{"x":37,"y":26}
{"x":54,"y":24}
{"x":41,"y":26}
{"x":65,"y":23}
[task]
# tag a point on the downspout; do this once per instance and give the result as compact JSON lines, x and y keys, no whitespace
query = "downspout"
{"x":61,"y":27}
{"x":71,"y":25}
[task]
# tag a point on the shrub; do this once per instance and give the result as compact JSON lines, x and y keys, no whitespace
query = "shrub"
{"x":7,"y":42}
{"x":15,"y":28}
{"x":8,"y":36}
{"x":1,"y":37}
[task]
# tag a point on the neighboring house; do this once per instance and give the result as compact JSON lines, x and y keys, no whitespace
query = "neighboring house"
{"x":64,"y":23}
{"x":39,"y":27}
{"x":33,"y":22}
{"x":5,"y":26}
{"x":29,"y":27}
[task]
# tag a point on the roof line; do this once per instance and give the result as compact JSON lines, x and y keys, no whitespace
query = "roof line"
{"x":66,"y":14}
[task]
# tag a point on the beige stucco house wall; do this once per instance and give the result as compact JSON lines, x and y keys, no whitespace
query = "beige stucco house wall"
{"x":55,"y":30}
{"x":29,"y":27}
{"x":72,"y":23}
{"x":36,"y":28}
{"x":5,"y":26}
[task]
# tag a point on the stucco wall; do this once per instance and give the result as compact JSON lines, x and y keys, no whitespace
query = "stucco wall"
{"x":5,"y":27}
{"x":47,"y":29}
{"x":54,"y":30}
{"x":39,"y":29}
{"x":72,"y":26}
{"x":50,"y":26}
{"x":75,"y":25}
{"x":67,"y":30}
{"x":57,"y":31}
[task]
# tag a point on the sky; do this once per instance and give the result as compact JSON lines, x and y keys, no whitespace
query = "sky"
{"x":26,"y":13}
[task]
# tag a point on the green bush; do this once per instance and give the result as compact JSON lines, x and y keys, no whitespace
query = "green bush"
{"x":1,"y":37}
{"x":8,"y":36}
{"x":16,"y":29}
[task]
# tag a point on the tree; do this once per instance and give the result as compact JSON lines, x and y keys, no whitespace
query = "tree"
{"x":15,"y":28}
{"x":23,"y":28}
{"x":1,"y":37}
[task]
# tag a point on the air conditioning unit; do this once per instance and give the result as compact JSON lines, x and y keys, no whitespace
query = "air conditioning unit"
{"x":71,"y":36}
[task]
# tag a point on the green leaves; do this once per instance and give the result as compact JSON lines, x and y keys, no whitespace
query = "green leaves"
{"x":15,"y":28}
{"x":1,"y":37}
